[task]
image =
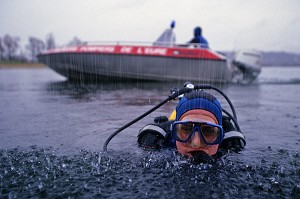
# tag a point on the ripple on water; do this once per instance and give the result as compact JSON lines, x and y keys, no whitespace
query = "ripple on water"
{"x":38,"y":172}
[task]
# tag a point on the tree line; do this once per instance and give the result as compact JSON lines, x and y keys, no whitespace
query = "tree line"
{"x":11,"y":50}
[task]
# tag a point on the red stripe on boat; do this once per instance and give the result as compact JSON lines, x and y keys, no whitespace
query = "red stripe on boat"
{"x":197,"y":53}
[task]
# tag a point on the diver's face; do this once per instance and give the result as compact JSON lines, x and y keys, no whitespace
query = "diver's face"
{"x":196,"y":143}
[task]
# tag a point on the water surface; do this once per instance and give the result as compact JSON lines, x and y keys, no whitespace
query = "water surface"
{"x":52,"y":133}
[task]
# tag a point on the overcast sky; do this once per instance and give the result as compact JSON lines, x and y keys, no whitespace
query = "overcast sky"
{"x":267,"y":25}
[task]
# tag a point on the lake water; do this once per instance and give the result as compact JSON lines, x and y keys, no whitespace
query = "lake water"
{"x":52,"y":132}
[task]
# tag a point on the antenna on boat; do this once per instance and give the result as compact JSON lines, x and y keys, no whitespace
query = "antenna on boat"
{"x":188,"y":87}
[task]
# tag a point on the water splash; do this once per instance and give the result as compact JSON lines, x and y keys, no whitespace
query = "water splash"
{"x":42,"y":173}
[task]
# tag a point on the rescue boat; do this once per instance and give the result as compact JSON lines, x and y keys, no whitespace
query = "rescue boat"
{"x":123,"y":61}
{"x":143,"y":62}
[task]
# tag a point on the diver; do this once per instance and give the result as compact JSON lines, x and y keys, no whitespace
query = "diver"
{"x":199,"y":40}
{"x":167,"y":38}
{"x":198,"y":131}
{"x":199,"y":128}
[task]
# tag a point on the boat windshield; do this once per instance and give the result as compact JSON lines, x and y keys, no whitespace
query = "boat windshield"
{"x":167,"y":38}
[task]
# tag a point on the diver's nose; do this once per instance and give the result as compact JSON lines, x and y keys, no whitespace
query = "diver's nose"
{"x":196,"y":141}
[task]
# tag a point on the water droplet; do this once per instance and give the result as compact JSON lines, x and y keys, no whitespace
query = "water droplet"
{"x":40,"y":185}
{"x":85,"y":185}
{"x":167,"y":165}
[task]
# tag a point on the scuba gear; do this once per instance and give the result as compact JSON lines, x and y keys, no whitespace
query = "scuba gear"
{"x":201,"y":157}
{"x":210,"y":133}
{"x":233,"y":138}
{"x":199,"y":100}
{"x":158,"y":135}
{"x":151,"y":136}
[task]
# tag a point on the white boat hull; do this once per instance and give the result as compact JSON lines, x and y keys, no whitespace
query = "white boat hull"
{"x":144,"y":63}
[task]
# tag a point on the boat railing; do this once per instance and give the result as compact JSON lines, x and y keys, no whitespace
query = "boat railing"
{"x":114,"y":43}
{"x":133,"y":43}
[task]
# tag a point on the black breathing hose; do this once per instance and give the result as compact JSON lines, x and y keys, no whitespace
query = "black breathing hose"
{"x":175,"y":94}
{"x":233,"y":119}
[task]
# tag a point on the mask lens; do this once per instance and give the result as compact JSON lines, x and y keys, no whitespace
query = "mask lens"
{"x":184,"y":130}
{"x":210,"y":133}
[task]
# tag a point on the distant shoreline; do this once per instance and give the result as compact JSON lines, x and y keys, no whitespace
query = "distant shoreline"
{"x":22,"y":65}
{"x":282,"y":66}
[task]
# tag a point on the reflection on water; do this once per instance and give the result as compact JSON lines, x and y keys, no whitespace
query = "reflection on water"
{"x":68,"y":122}
{"x":73,"y":88}
{"x":78,"y":88}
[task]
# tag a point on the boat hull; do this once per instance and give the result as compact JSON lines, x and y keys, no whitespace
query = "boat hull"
{"x":91,"y":65}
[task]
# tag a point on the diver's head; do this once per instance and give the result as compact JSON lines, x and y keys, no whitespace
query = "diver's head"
{"x":197,"y":31}
{"x":198,"y":124}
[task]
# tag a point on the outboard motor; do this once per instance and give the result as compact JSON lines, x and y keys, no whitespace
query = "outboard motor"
{"x":247,"y":63}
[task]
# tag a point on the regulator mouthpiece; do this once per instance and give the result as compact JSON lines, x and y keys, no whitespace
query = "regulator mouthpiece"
{"x":201,"y":157}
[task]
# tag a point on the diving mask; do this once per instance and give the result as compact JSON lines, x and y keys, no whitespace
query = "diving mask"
{"x":210,"y":133}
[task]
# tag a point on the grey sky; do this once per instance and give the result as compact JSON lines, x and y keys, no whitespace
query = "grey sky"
{"x":267,"y":25}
